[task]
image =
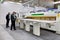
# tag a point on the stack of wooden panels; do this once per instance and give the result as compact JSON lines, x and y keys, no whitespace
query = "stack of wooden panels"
{"x":53,"y":18}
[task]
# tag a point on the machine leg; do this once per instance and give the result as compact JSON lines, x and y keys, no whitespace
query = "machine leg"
{"x":27,"y":26}
{"x":36,"y":29}
{"x":21,"y":24}
{"x":58,"y":32}
{"x":58,"y":28}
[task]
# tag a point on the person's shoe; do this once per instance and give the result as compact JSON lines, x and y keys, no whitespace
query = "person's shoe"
{"x":6,"y":27}
{"x":14,"y":29}
{"x":10,"y":29}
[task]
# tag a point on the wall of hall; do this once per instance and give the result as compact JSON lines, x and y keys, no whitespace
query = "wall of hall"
{"x":8,"y":7}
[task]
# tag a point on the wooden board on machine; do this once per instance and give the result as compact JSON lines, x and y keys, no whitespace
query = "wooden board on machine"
{"x":53,"y":18}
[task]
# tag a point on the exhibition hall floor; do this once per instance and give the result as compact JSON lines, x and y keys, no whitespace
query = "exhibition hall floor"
{"x":23,"y":35}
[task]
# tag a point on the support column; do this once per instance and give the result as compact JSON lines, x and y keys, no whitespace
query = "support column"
{"x":27,"y":26}
{"x":58,"y":23}
{"x":58,"y":28}
{"x":36,"y":28}
{"x":21,"y":24}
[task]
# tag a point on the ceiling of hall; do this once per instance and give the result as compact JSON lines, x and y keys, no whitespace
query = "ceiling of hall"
{"x":43,"y":3}
{"x":18,"y":0}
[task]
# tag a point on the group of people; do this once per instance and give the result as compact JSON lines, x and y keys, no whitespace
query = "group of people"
{"x":13,"y":18}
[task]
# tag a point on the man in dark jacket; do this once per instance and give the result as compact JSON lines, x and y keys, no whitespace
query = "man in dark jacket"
{"x":13,"y":19}
{"x":7,"y":20}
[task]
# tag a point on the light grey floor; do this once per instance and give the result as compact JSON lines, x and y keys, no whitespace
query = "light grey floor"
{"x":23,"y":35}
{"x":4,"y":35}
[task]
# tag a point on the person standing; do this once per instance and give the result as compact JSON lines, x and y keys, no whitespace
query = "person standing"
{"x":13,"y":19}
{"x":7,"y":19}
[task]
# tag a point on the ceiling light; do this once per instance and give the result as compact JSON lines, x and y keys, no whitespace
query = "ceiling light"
{"x":56,"y":2}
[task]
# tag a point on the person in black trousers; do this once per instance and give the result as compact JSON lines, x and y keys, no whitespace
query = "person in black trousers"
{"x":7,"y":20}
{"x":13,"y":19}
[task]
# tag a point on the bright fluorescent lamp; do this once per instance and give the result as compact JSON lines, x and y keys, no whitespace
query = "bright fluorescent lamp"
{"x":11,"y":2}
{"x":56,"y":2}
{"x":5,"y":3}
{"x":18,"y":3}
{"x":8,"y":2}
